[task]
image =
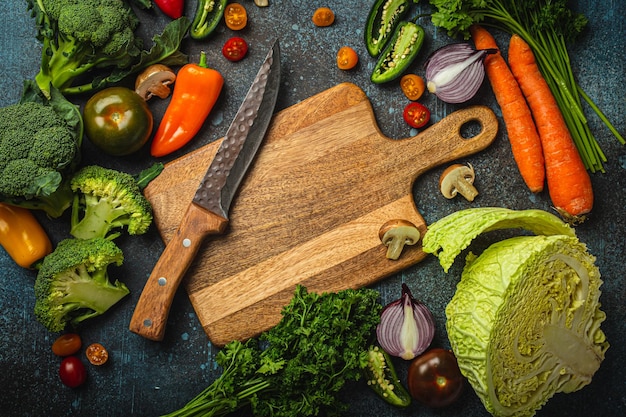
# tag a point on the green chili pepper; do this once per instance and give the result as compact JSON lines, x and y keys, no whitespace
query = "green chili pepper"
{"x":208,"y":14}
{"x":381,"y":376}
{"x":399,"y":53}
{"x":382,"y":20}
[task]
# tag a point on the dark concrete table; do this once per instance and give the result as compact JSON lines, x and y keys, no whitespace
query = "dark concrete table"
{"x":146,"y":378}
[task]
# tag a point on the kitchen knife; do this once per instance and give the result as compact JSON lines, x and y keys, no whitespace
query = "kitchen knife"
{"x":208,"y":212}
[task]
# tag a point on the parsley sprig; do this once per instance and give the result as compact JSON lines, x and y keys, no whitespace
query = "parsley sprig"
{"x":297,"y":367}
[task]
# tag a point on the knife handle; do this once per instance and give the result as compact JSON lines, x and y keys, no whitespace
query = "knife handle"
{"x":150,"y":316}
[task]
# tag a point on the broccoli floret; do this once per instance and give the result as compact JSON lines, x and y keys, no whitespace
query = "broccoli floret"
{"x":53,"y":147}
{"x":79,"y":36}
{"x":39,"y":150}
{"x":73,"y":283}
{"x":107,"y":200}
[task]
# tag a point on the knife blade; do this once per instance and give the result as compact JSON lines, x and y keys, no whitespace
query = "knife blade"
{"x":207,"y":213}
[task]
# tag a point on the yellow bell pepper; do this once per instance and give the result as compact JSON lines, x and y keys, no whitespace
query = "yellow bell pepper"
{"x":22,"y":236}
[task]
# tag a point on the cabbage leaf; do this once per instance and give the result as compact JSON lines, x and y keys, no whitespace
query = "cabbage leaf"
{"x":449,"y":236}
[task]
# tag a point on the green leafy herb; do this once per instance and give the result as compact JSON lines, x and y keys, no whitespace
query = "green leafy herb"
{"x":547,"y":26}
{"x":297,"y":367}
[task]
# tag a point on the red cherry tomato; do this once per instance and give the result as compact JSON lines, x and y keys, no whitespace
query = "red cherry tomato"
{"x":72,"y":372}
{"x":235,"y":49}
{"x":416,"y":115}
{"x":434,"y":378}
{"x":67,"y":344}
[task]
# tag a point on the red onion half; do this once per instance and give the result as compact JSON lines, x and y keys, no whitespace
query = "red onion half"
{"x":406,"y":327}
{"x":455,"y":72}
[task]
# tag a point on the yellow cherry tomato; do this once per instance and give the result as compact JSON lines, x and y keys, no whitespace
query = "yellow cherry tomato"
{"x":347,"y":58}
{"x":97,"y":354}
{"x":412,"y":86}
{"x":323,"y":16}
{"x":235,"y":16}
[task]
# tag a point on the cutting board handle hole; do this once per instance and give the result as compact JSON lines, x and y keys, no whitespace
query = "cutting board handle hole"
{"x":470,"y":129}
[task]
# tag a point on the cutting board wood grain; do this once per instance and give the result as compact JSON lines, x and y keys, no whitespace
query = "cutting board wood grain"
{"x":308,"y":212}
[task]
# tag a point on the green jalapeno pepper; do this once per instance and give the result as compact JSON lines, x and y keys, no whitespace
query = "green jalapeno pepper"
{"x":399,"y":53}
{"x":208,"y":14}
{"x":381,"y":376}
{"x":382,"y":21}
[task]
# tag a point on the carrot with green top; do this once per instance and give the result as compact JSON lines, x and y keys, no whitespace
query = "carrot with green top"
{"x":569,"y":183}
{"x":518,"y":119}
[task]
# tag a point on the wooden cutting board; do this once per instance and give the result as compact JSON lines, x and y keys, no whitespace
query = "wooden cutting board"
{"x":309,"y":210}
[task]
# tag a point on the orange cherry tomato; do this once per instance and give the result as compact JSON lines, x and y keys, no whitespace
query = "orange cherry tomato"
{"x":235,"y":16}
{"x":347,"y":58}
{"x":97,"y":354}
{"x":412,"y":86}
{"x":323,"y":16}
{"x":416,"y":115}
{"x":67,"y":344}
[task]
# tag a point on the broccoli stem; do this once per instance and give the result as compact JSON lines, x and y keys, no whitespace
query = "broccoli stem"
{"x":92,"y":291}
{"x":61,"y":66}
{"x":98,"y":218}
{"x":54,"y":204}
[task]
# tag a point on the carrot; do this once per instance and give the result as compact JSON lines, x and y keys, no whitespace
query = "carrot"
{"x":518,"y":120}
{"x":569,"y":183}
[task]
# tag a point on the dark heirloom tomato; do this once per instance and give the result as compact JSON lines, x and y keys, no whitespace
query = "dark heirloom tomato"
{"x":117,"y":120}
{"x":435,"y":379}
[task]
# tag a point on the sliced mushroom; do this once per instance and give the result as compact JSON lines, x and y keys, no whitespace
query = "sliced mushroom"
{"x":397,"y":233}
{"x":261,"y":3}
{"x":154,"y":81}
{"x":458,"y":179}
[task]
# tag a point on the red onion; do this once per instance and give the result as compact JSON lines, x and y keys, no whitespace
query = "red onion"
{"x":406,"y":327}
{"x":455,"y":72}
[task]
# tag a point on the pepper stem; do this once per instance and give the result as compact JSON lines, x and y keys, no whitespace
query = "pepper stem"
{"x":203,"y":60}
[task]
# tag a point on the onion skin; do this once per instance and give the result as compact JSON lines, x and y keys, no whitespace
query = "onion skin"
{"x":455,"y":72}
{"x":406,"y":327}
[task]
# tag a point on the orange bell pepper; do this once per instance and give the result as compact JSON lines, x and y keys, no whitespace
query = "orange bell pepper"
{"x":196,"y":91}
{"x":22,"y":236}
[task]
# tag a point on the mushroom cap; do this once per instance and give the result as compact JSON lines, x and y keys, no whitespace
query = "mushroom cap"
{"x":393,"y":224}
{"x":454,"y":174}
{"x":409,"y":234}
{"x":395,"y":234}
{"x":154,"y":81}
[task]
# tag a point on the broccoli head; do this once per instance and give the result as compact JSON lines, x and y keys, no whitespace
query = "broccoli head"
{"x":79,"y":36}
{"x":105,"y":201}
{"x":39,"y":151}
{"x":73,"y":285}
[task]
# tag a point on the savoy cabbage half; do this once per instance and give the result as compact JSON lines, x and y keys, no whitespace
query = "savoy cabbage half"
{"x":524,"y":322}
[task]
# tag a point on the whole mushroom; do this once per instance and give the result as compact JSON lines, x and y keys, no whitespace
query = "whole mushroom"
{"x":458,"y":179}
{"x":397,"y":233}
{"x":155,"y":81}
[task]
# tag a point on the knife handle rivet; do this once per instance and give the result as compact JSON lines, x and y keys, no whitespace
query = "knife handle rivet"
{"x":147,"y":323}
{"x":186,"y":242}
{"x":162,"y":281}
